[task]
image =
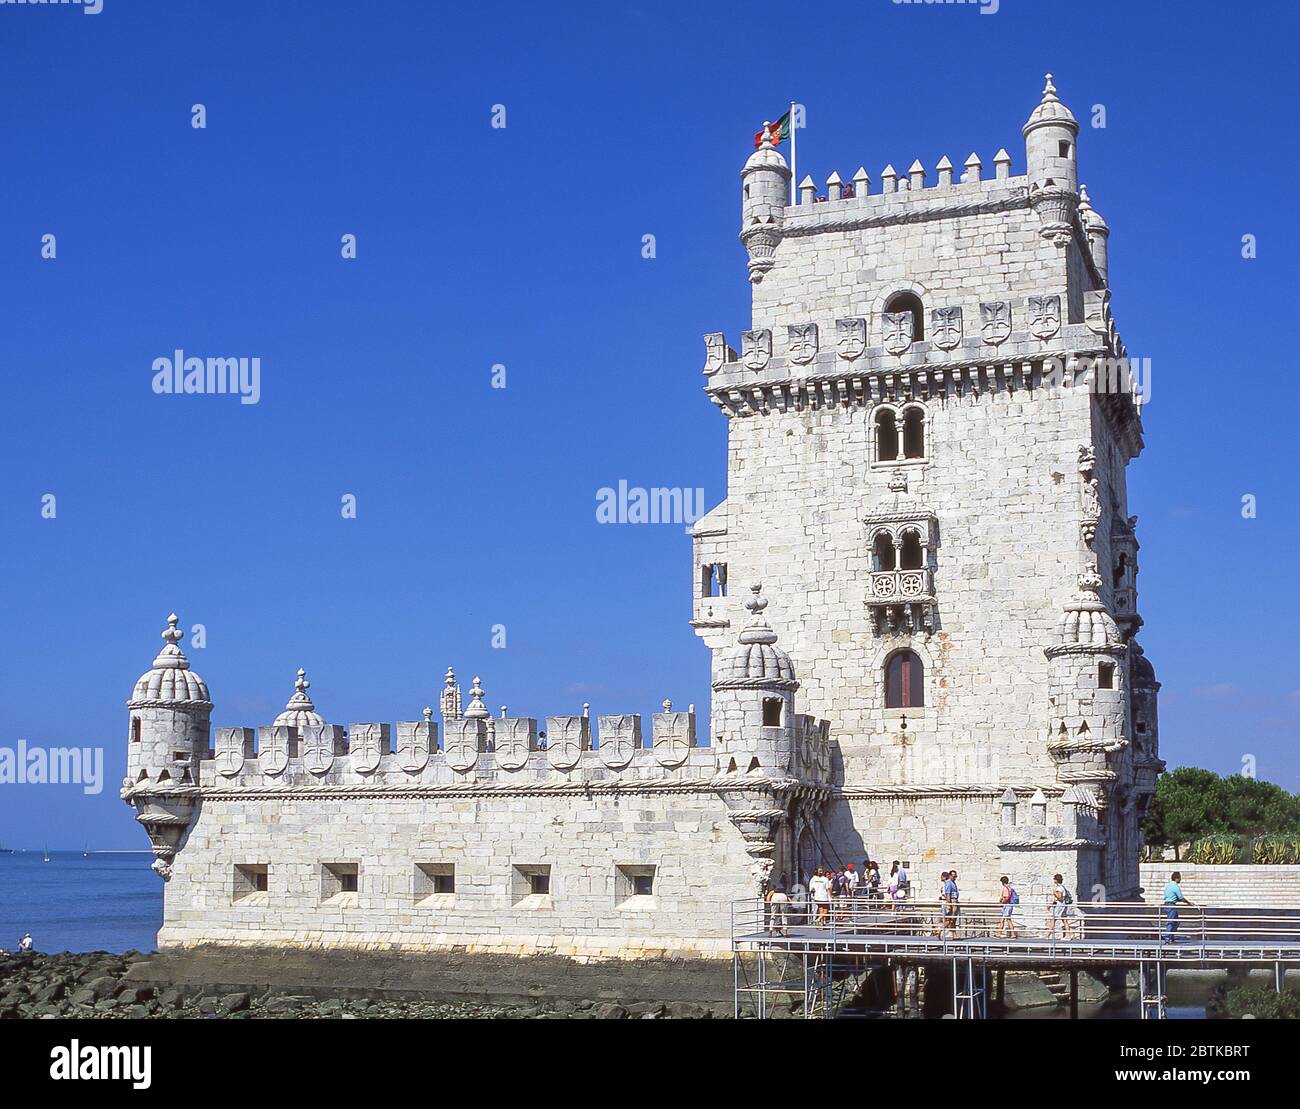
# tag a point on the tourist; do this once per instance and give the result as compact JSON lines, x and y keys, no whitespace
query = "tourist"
{"x":1060,"y":904}
{"x":904,"y":882}
{"x":1173,"y":898}
{"x":873,"y":884}
{"x":819,"y":889}
{"x":850,"y":881}
{"x":778,"y":907}
{"x":1008,"y":899}
{"x":951,"y":896}
{"x":25,"y":944}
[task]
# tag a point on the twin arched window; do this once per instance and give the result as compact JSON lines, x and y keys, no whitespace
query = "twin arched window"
{"x":900,"y":434}
{"x":907,"y":555}
{"x":904,"y":681}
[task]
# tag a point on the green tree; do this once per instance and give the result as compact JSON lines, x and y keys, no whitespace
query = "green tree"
{"x":1191,"y":803}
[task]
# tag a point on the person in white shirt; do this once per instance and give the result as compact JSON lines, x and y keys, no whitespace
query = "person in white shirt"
{"x":819,"y":887}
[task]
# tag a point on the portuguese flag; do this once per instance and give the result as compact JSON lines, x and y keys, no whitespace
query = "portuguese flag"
{"x":780,"y":132}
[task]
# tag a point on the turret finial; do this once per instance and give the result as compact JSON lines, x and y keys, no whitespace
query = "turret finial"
{"x":477,"y":709}
{"x":1049,"y":89}
{"x":758,"y":630}
{"x":171,"y":656}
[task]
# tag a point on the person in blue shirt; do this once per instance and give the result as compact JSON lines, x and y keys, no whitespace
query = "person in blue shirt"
{"x":951,"y":897}
{"x":1173,"y":898}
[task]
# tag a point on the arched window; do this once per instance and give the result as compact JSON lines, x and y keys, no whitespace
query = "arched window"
{"x":886,"y":435}
{"x":911,"y":557}
{"x":882,"y":552}
{"x":914,"y":433}
{"x":909,"y":302}
{"x":904,"y":681}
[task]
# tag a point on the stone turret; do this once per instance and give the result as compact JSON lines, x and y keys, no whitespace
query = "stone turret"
{"x":1051,"y":156}
{"x":753,"y":700}
{"x":1087,"y":689}
{"x":169,"y":718}
{"x":169,"y":711}
{"x":1098,"y":232}
{"x":765,"y":188}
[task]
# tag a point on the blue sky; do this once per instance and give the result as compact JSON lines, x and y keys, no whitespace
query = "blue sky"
{"x":522,"y":246}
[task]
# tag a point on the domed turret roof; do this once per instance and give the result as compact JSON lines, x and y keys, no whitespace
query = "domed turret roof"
{"x":299,"y":712}
{"x":1086,"y":623}
{"x":756,"y":657}
{"x":1090,"y":216}
{"x":1143,"y":673}
{"x":171,"y":681}
{"x":767,"y":154}
{"x":1050,"y":111}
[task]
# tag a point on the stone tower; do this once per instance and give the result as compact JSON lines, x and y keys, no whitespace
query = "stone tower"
{"x":928,"y":469}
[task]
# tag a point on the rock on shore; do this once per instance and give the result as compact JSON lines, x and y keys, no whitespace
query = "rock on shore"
{"x":95,"y":985}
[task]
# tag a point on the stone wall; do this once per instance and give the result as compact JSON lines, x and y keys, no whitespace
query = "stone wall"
{"x":593,"y":846}
{"x":1236,"y":887}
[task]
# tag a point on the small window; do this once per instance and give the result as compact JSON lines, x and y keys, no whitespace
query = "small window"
{"x":135,"y":729}
{"x":530,"y":880}
{"x":772,"y":712}
{"x":337,"y":878}
{"x":633,"y":880}
{"x":904,"y":681}
{"x":432,"y":879}
{"x":886,"y":435}
{"x":1106,"y":675}
{"x":250,"y":878}
{"x":1064,"y":149}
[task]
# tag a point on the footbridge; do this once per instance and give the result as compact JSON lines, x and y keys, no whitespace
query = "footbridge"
{"x":805,"y":955}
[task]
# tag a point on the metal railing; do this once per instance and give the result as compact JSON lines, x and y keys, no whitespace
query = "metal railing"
{"x":1076,"y":931}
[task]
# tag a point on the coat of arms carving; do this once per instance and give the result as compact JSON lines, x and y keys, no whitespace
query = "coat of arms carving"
{"x":620,"y":739}
{"x":233,"y":745}
{"x":416,"y":739}
{"x":851,"y":338}
{"x":278,"y":744}
{"x":945,"y":327}
{"x":1044,"y":316}
{"x":802,"y":338}
{"x":566,"y":738}
{"x":464,"y":737}
{"x":367,"y":744}
{"x":319,"y":744}
{"x":756,"y":349}
{"x":715,"y":352}
{"x":674,"y":736}
{"x":995,"y":321}
{"x":516,"y":739}
{"x":897,"y":331}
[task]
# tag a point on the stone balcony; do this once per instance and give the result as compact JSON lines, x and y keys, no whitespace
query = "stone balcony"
{"x":901,"y":600}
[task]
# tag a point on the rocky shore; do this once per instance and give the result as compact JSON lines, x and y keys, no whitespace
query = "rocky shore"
{"x":97,"y":985}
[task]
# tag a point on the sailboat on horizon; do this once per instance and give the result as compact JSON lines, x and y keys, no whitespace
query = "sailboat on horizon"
{"x":47,"y":854}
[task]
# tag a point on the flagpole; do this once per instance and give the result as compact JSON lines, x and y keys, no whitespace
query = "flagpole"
{"x":794,"y":159}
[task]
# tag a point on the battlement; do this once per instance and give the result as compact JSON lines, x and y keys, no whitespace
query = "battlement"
{"x":907,"y":196}
{"x":475,"y":751}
